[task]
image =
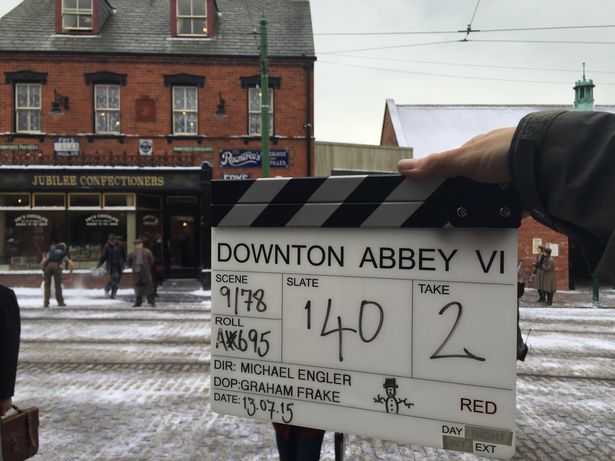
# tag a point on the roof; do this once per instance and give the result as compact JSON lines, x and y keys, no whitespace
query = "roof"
{"x":143,"y":27}
{"x":436,"y":128}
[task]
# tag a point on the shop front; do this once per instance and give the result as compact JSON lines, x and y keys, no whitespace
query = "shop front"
{"x":42,"y":206}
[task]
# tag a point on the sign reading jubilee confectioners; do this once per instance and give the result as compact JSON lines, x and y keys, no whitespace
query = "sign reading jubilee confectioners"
{"x":367,"y":318}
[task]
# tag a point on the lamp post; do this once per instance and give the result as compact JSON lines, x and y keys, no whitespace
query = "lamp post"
{"x":584,"y":101}
{"x":264,"y":65}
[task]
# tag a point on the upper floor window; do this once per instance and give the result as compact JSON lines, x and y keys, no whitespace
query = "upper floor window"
{"x":77,"y":15}
{"x":28,"y":107}
{"x":192,"y":17}
{"x":107,"y":108}
{"x":185,"y":110}
{"x":254,"y":111}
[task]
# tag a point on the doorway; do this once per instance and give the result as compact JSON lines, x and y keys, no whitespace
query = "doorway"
{"x":182,"y":240}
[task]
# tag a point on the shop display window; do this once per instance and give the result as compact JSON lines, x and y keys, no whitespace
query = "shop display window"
{"x":14,"y":200}
{"x":49,"y":200}
{"x":119,"y":200}
{"x":88,"y":231}
{"x":150,"y":202}
{"x":84,"y":200}
{"x":27,"y":235}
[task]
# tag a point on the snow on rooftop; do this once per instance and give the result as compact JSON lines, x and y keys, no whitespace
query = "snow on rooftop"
{"x":436,"y":128}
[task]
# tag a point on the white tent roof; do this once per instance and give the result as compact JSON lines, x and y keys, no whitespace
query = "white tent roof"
{"x":435,"y":128}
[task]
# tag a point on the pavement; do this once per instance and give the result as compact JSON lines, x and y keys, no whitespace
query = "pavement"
{"x":115,"y":382}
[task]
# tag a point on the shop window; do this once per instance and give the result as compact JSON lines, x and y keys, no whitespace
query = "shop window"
{"x":254,"y":111}
{"x":28,"y":107}
{"x":107,"y":108}
{"x":185,"y":110}
{"x":49,"y":200}
{"x":88,"y":231}
{"x":27,"y":235}
{"x":191,"y":18}
{"x":150,"y":202}
{"x":14,"y":200}
{"x":77,"y":15}
{"x":119,"y":200}
{"x":84,"y":200}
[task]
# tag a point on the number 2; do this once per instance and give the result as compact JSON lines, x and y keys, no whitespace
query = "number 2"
{"x":468,"y":354}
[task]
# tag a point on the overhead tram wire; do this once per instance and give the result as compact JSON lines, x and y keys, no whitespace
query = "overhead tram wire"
{"x":390,"y":47}
{"x":516,"y":29}
{"x":569,"y":42}
{"x":491,"y":66}
{"x":434,"y":74}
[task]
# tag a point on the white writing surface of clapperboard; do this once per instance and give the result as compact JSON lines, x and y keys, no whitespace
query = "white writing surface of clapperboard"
{"x":370,"y":305}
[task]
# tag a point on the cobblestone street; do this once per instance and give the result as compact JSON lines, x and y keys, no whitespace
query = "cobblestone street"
{"x":115,"y":382}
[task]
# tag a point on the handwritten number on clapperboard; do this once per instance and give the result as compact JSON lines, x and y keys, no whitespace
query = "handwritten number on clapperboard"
{"x":269,"y":407}
{"x":249,"y":297}
{"x":468,"y":354}
{"x":340,"y":329}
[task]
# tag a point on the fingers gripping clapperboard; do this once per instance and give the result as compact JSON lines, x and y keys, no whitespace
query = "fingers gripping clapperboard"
{"x":370,"y":305}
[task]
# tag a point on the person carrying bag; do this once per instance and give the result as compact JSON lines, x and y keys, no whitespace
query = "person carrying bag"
{"x":19,"y":431}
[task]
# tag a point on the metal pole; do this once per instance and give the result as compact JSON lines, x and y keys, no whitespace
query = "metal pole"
{"x":264,"y":61}
{"x":206,"y":175}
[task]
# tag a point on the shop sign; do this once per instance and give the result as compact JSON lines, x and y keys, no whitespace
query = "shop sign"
{"x":66,"y":147}
{"x":150,"y":220}
{"x":31,"y":220}
{"x":102,"y":220}
{"x":245,"y":158}
{"x":192,"y":149}
{"x":235,"y":175}
{"x":19,"y":147}
{"x":146,"y":146}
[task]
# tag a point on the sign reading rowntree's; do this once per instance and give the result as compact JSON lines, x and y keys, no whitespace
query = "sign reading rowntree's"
{"x":244,"y":158}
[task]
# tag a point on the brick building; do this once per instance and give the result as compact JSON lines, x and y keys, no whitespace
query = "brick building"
{"x":435,"y":128}
{"x":110,"y":107}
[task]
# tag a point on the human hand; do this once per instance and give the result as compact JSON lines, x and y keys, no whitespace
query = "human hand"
{"x":5,"y":405}
{"x":484,"y":158}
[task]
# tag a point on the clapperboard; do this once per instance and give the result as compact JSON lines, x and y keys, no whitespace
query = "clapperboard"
{"x":370,"y":305}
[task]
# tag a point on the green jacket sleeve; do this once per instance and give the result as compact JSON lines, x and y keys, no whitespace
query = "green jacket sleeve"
{"x":563,"y":167}
{"x":10,"y":329}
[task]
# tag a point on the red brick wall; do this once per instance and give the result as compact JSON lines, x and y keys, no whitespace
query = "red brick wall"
{"x":388,"y":137}
{"x":145,"y":78}
{"x":531,"y":229}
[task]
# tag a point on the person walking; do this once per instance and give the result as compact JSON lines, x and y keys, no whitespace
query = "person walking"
{"x":141,"y":261}
{"x":548,"y":282}
{"x":537,"y":273}
{"x":10,"y":329}
{"x":114,"y":257}
{"x":52,"y":268}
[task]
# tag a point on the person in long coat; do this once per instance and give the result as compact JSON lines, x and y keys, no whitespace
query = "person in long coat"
{"x":10,"y":329}
{"x":538,"y":274}
{"x":548,"y":280}
{"x":113,"y":256}
{"x":141,"y":260}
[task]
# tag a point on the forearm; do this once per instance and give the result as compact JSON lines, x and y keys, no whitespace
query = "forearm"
{"x":562,"y":166}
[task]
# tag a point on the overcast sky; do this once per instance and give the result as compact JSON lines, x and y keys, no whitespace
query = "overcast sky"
{"x":351,"y":86}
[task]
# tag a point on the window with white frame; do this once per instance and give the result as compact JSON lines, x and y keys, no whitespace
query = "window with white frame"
{"x":28,"y":107}
{"x":185,"y":110}
{"x":107,"y":108}
{"x":254,"y":111}
{"x":77,"y":15}
{"x":192,"y":17}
